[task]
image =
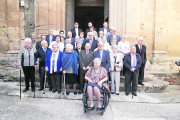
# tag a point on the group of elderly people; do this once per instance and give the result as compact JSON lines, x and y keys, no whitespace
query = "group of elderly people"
{"x":95,"y":59}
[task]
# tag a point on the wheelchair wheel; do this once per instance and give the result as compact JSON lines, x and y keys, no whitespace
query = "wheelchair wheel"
{"x":107,"y":100}
{"x":102,"y":112}
{"x":84,"y":111}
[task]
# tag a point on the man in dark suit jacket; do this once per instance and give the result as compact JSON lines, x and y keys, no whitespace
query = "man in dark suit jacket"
{"x":132,"y":62}
{"x":85,"y":61}
{"x":104,"y":55}
{"x":41,"y":53}
{"x":92,"y":42}
{"x":76,"y":31}
{"x":50,"y":38}
{"x":88,"y":30}
{"x":105,"y":29}
{"x":141,"y":50}
{"x":74,"y":43}
{"x":38,"y":44}
{"x":113,"y":35}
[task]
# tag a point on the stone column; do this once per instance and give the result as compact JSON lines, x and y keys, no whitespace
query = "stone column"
{"x":124,"y":15}
{"x":159,"y":55}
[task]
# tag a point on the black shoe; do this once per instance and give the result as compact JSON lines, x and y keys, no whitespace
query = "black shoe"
{"x":40,"y":89}
{"x":127,"y":94}
{"x":117,"y":93}
{"x":134,"y":94}
{"x":90,"y":108}
{"x":32,"y":90}
{"x":59,"y":91}
{"x":67,"y":92}
{"x":75,"y":93}
{"x":53,"y":91}
{"x":140,"y":83}
{"x":80,"y":92}
{"x":112,"y":92}
{"x":50,"y":88}
{"x":99,"y":109}
{"x":25,"y":90}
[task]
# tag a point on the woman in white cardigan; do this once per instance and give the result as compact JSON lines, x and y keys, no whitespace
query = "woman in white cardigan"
{"x":116,"y":65}
{"x":124,"y":49}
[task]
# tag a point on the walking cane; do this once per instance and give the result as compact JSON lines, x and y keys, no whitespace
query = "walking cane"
{"x":45,"y":84}
{"x":20,"y":83}
{"x":132,"y":91}
{"x":35,"y":83}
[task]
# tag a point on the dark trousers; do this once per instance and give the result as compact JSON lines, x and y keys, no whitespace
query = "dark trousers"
{"x":141,"y":73}
{"x":29,"y":72}
{"x":81,"y":79}
{"x":56,"y":82}
{"x":131,"y":76}
{"x":42,"y":77}
{"x":124,"y":68}
{"x":49,"y":79}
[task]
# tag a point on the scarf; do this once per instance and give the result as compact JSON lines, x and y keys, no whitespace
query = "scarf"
{"x":70,"y":60}
{"x":55,"y":62}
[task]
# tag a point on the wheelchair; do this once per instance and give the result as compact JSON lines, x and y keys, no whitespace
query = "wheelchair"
{"x":105,"y":95}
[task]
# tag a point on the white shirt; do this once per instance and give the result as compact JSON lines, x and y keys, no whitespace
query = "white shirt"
{"x":101,"y":53}
{"x":132,"y":59}
{"x":114,"y":36}
{"x":124,"y":47}
{"x":105,"y":32}
{"x":139,"y":46}
{"x":50,"y":38}
{"x":76,"y":29}
{"x":60,"y":44}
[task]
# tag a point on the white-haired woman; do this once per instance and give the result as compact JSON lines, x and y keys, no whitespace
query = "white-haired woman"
{"x":70,"y":67}
{"x":95,"y":35}
{"x":116,"y":65}
{"x":95,"y":76}
{"x":124,"y":49}
{"x":26,"y":61}
{"x":53,"y":65}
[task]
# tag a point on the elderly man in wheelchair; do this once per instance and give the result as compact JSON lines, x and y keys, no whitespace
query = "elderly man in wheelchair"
{"x":96,"y":82}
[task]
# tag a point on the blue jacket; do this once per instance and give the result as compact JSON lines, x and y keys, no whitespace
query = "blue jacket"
{"x":127,"y":61}
{"x":102,"y":29}
{"x":111,"y":36}
{"x":47,"y":39}
{"x":42,"y":56}
{"x":94,"y":44}
{"x":48,"y":60}
{"x":105,"y":62}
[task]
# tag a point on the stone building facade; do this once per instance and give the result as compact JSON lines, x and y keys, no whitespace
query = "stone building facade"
{"x":158,"y":21}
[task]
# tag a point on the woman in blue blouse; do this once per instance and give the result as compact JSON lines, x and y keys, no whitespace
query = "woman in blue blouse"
{"x":53,"y":65}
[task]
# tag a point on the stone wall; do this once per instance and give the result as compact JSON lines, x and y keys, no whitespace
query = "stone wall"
{"x":50,"y":14}
{"x":10,"y":27}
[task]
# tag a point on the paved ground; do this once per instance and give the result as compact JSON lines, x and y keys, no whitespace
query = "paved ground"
{"x":146,"y":106}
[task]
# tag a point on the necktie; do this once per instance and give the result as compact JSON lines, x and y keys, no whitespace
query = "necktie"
{"x":140,"y":48}
{"x":87,"y":52}
{"x":45,"y":50}
{"x":134,"y":62}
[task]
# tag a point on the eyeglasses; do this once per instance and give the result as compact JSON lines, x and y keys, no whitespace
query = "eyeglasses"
{"x":100,"y":45}
{"x":90,"y":35}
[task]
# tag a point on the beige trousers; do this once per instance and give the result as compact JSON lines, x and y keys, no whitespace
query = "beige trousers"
{"x":115,"y":78}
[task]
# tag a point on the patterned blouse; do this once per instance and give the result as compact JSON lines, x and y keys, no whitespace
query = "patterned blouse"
{"x":96,"y":77}
{"x":28,"y":56}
